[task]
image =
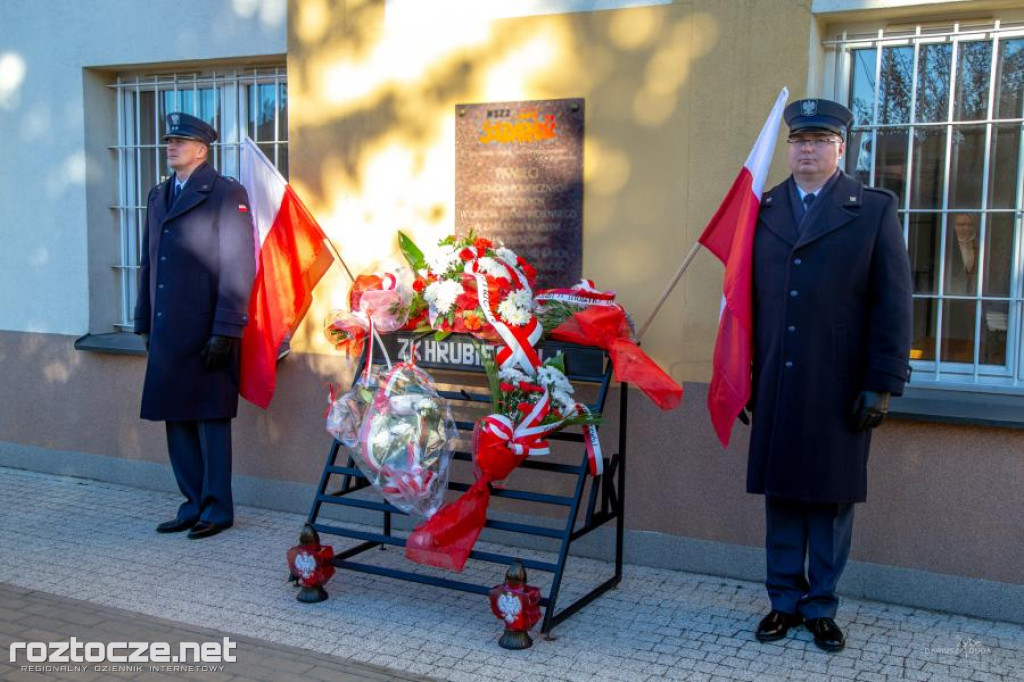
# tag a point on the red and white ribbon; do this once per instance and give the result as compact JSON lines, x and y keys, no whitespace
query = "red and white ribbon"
{"x":595,"y":459}
{"x":583,"y":294}
{"x":519,"y":340}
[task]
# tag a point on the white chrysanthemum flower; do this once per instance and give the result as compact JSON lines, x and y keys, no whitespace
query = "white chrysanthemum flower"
{"x":382,"y":439}
{"x":554,"y":379}
{"x":490,"y":266}
{"x":564,"y":402}
{"x":507,"y":255}
{"x":512,"y":375}
{"x":522,"y":298}
{"x":444,"y":259}
{"x":512,"y":314}
{"x":401,"y":428}
{"x":441,"y":295}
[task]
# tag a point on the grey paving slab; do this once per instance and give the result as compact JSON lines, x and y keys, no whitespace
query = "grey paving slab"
{"x":67,"y":538}
{"x":257,"y":660}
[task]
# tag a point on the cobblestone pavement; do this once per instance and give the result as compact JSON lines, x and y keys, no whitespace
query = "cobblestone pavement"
{"x":94,"y":541}
{"x":31,"y":616}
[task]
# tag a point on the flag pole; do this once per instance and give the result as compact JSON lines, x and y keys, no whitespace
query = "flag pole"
{"x":668,"y":290}
{"x":341,"y":261}
{"x":337,"y":258}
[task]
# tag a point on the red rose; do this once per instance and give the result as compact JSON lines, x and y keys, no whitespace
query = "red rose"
{"x":419,"y":284}
{"x":467,"y":254}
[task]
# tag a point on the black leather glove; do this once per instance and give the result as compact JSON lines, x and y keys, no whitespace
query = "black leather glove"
{"x":745,"y":413}
{"x":869,"y":410}
{"x":217,"y":351}
{"x":145,"y":339}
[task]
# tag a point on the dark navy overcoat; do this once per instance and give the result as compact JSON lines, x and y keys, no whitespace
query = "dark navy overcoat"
{"x":832,"y":317}
{"x":196,"y":273}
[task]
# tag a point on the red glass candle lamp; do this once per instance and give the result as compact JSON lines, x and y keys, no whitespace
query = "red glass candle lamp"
{"x":311,"y":565}
{"x":518,"y":606}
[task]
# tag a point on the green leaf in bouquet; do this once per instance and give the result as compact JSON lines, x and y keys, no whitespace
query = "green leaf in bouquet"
{"x":441,"y":335}
{"x":588,"y":418}
{"x":412,"y":253}
{"x":491,"y":369}
{"x":558,"y":362}
{"x":553,"y":313}
{"x":366,"y":394}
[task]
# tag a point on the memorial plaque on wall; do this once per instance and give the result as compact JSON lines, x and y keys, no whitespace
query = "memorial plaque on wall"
{"x":519,"y":179}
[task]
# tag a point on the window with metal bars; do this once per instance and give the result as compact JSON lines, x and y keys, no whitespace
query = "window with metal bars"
{"x":241,"y":102}
{"x":938,"y":115}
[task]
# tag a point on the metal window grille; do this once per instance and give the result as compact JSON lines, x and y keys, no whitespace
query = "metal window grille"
{"x":240,"y":102}
{"x":938,"y":119}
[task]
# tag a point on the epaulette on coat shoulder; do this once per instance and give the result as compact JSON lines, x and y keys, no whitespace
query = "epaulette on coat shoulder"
{"x":882,"y":191}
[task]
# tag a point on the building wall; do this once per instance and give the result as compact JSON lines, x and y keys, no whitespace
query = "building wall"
{"x":53,"y":56}
{"x":675,"y":95}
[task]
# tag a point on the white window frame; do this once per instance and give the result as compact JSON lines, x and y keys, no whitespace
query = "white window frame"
{"x":838,"y":63}
{"x":231,"y":89}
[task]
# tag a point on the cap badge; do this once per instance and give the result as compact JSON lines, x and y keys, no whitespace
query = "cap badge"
{"x":809,"y":107}
{"x":175,"y":120}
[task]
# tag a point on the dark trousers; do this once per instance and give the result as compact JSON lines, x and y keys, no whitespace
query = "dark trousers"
{"x":200,"y":453}
{"x":807,"y":545}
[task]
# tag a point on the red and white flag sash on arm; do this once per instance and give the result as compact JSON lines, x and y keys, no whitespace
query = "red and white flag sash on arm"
{"x":730,"y":236}
{"x":291,"y":258}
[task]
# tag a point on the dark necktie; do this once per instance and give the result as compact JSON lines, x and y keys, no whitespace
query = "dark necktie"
{"x":177,"y":192}
{"x":808,"y":200}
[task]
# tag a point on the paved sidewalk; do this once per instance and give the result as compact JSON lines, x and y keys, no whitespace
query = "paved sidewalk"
{"x":94,"y":541}
{"x":30,"y":616}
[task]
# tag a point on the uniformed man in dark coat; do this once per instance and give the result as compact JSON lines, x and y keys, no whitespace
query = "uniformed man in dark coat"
{"x":832,"y":332}
{"x":197,"y":269}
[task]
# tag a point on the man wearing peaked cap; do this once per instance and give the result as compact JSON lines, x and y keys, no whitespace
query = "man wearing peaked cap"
{"x":832,"y":305}
{"x":195,"y":277}
{"x":188,"y":127}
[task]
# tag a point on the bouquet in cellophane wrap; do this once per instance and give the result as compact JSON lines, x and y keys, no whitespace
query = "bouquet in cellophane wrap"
{"x":400,"y":433}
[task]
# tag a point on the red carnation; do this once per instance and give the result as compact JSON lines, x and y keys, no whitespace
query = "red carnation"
{"x":467,"y":254}
{"x":468,"y":299}
{"x":528,"y":270}
{"x":482,"y":243}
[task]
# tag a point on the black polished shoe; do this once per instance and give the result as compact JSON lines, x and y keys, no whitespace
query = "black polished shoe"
{"x":775,"y":625}
{"x":827,"y":635}
{"x":205,"y":529}
{"x":175,"y":526}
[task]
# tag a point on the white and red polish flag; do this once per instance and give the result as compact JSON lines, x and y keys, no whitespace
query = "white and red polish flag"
{"x":730,"y":236}
{"x":291,"y":257}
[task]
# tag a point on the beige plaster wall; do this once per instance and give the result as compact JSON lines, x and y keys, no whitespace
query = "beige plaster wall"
{"x":675,"y":96}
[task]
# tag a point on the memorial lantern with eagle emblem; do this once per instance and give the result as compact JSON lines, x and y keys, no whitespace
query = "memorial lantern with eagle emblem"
{"x":517,"y":605}
{"x":311,"y":565}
